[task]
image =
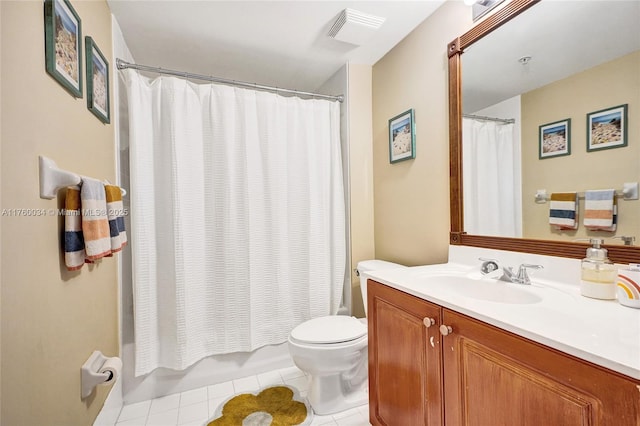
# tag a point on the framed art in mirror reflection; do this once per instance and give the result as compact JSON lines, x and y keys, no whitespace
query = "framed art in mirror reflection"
{"x":607,"y":128}
{"x":555,"y":139}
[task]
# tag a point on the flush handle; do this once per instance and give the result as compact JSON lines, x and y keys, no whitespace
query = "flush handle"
{"x":428,"y":322}
{"x":445,"y":330}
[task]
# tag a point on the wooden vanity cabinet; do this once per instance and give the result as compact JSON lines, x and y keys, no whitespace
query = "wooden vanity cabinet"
{"x":482,"y":375}
{"x":494,"y":377}
{"x":405,"y":359}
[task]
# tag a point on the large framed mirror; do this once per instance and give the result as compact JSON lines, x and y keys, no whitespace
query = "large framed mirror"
{"x":499,"y":32}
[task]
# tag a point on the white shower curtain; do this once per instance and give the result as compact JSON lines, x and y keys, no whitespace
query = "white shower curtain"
{"x":237,"y":217}
{"x":491,"y":179}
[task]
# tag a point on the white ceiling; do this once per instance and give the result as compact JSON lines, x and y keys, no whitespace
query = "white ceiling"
{"x":279,"y":43}
{"x":562,"y":38}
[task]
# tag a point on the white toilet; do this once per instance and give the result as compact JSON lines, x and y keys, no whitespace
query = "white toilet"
{"x":332,"y":350}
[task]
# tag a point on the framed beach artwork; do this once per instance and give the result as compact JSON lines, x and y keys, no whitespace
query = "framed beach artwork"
{"x":63,"y":45}
{"x":97,"y":81}
{"x":607,"y":128}
{"x":554,"y":139}
{"x":402,"y":137}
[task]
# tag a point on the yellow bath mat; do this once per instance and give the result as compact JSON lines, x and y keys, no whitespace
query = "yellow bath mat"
{"x":273,"y":406}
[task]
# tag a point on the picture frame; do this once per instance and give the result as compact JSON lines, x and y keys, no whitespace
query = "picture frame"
{"x":63,"y":45}
{"x":97,"y":69}
{"x":607,"y":128}
{"x":554,"y":139}
{"x":402,"y":137}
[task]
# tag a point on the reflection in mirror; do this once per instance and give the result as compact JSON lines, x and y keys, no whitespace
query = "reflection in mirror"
{"x":558,"y":61}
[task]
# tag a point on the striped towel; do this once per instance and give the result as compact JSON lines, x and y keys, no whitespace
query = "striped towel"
{"x":115,"y":214}
{"x":74,"y":255}
{"x":95,"y":226}
{"x":563,"y":210}
{"x":600,"y":210}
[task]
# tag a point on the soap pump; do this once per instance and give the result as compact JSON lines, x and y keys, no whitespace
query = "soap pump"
{"x":598,"y":277}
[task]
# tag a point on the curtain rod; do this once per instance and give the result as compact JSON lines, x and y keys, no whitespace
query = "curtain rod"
{"x":499,"y":120}
{"x":120,"y":64}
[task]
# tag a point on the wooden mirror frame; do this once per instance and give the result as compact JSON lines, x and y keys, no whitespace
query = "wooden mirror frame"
{"x":617,"y":253}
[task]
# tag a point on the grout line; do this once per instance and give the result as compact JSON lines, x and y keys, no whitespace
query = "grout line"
{"x":146,"y":418}
{"x":334,"y":421}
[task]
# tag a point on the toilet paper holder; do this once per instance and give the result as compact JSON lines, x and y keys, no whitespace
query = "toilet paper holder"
{"x":97,"y":370}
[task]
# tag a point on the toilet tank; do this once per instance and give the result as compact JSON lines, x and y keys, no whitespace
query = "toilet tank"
{"x":365,"y":266}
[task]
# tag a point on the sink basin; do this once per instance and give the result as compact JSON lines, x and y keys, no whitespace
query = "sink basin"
{"x":488,"y":289}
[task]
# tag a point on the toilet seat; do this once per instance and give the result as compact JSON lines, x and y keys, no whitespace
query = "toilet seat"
{"x":329,"y":329}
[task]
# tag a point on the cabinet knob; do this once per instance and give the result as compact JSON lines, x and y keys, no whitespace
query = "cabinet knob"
{"x":445,"y":329}
{"x":428,"y":322}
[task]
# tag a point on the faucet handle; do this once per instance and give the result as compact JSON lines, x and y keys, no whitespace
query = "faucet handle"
{"x":523,"y":277}
{"x":488,"y":265}
{"x":530,"y":266}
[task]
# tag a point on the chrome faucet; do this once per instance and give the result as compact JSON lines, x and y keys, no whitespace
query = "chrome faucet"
{"x":521,"y":277}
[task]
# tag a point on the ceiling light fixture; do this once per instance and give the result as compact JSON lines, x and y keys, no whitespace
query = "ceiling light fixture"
{"x":355,"y":27}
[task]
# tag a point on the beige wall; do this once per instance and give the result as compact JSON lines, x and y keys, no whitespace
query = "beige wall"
{"x":412,"y":197}
{"x":51,"y":319}
{"x":361,"y":175}
{"x":354,"y":80}
{"x":608,"y":85}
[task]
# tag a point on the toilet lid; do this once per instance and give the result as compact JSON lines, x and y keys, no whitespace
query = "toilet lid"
{"x":329,"y":329}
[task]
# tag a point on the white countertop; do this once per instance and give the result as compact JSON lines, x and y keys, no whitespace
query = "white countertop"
{"x":599,"y":331}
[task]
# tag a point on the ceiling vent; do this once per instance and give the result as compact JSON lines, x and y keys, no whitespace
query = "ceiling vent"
{"x":355,"y":27}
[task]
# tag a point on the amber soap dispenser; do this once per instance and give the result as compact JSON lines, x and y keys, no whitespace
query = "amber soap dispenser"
{"x":598,"y":277}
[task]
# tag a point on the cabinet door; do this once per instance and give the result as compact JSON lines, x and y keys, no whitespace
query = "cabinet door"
{"x":496,"y":378}
{"x":405,"y":385}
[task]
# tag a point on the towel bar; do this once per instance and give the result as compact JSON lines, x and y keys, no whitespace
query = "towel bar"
{"x":629,"y":192}
{"x":53,"y":178}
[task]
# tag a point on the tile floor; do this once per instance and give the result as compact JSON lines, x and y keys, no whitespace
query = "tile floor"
{"x":195,"y":407}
